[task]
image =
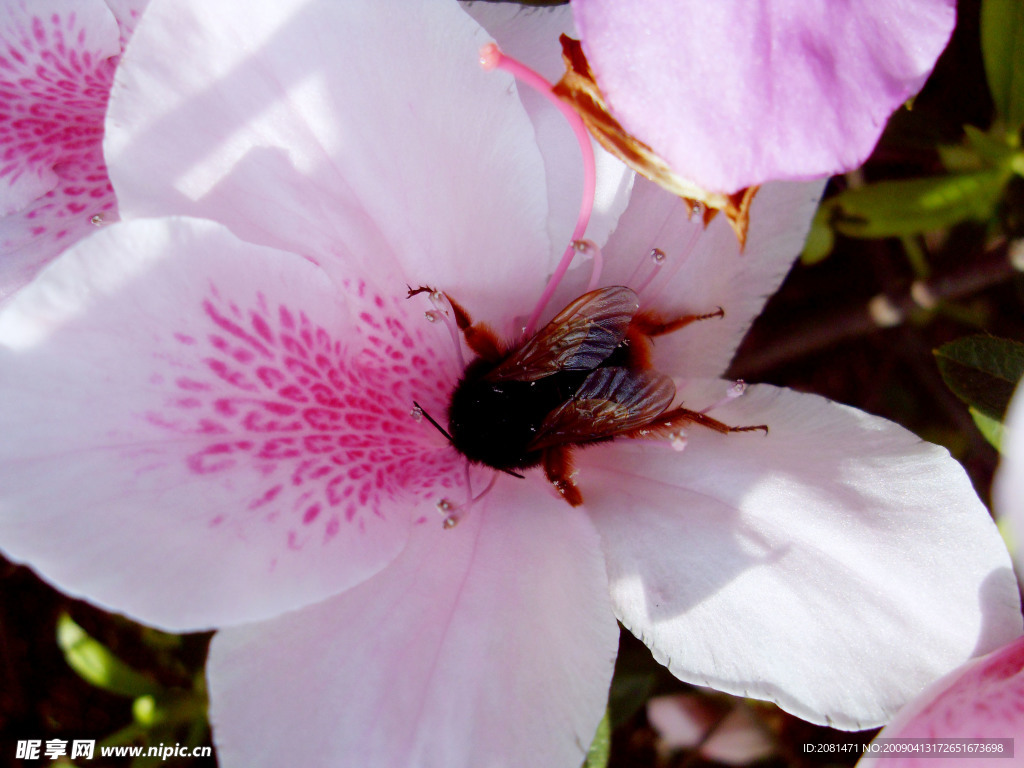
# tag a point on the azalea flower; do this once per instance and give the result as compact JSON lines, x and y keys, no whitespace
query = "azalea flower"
{"x":731,"y":94}
{"x":56,"y":67}
{"x":211,"y":425}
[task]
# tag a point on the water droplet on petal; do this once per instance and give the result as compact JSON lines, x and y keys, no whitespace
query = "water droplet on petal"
{"x":677,"y":440}
{"x":432,"y":315}
{"x":97,"y":219}
{"x":737,"y":389}
{"x":657,"y":255}
{"x":450,"y":522}
{"x":416,"y":413}
{"x":444,"y":506}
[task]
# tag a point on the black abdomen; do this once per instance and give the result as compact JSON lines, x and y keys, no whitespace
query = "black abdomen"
{"x":493,"y":422}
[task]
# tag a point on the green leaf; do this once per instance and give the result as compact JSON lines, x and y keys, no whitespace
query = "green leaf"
{"x":601,"y":747}
{"x":95,"y":663}
{"x":896,"y":208}
{"x":996,"y":149}
{"x":983,"y":371}
{"x":820,"y":239}
{"x":957,"y":158}
{"x":629,"y":692}
{"x":1002,"y":46}
{"x":991,"y":429}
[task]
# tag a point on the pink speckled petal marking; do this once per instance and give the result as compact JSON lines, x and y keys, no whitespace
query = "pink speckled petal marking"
{"x":491,"y":644}
{"x":428,"y":162}
{"x":219,"y":432}
{"x":982,"y":700}
{"x":829,"y":539}
{"x":127,"y":13}
{"x":57,"y":60}
{"x":733,"y":93}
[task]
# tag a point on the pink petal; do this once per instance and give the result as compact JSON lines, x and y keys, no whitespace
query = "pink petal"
{"x":703,"y":268}
{"x":681,"y":720}
{"x":489,"y":644}
{"x":981,"y":700}
{"x":301,"y":125}
{"x":56,"y":64}
{"x":685,"y":721}
{"x":200,"y":431}
{"x":835,"y":566}
{"x":733,"y":94}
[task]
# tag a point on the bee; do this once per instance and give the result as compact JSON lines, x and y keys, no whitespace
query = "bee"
{"x":584,"y":378}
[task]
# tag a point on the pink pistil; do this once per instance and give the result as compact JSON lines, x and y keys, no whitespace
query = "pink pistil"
{"x":491,"y":57}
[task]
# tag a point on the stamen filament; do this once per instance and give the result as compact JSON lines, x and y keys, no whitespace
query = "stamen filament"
{"x":596,"y":261}
{"x":491,"y":57}
{"x":445,"y":310}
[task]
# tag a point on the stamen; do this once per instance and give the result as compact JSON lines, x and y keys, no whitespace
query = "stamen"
{"x":486,"y":490}
{"x":491,"y":57}
{"x":736,"y":390}
{"x":589,"y":247}
{"x":447,"y":508}
{"x":679,"y":258}
{"x":443,"y":312}
{"x":653,"y":263}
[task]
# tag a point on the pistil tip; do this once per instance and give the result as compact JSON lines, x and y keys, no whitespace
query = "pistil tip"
{"x":490,"y":56}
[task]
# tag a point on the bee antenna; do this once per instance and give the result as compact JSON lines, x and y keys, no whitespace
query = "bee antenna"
{"x":430,"y":418}
{"x":444,"y":432}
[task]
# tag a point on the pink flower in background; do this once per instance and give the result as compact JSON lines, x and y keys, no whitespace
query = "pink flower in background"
{"x":57,"y":61}
{"x":732,"y":93}
{"x":983,"y":700}
{"x":210,"y":415}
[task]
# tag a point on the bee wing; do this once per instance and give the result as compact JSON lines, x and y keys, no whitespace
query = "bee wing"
{"x":579,"y":338}
{"x":609,"y":402}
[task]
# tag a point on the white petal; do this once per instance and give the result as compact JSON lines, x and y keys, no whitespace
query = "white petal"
{"x":1008,"y":484}
{"x":490,"y":644}
{"x":703,"y":269}
{"x":836,"y":565}
{"x":199,"y":431}
{"x":301,"y":125}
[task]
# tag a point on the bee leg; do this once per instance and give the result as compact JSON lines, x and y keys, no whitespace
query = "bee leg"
{"x":558,"y":468}
{"x":650,"y":325}
{"x":670,"y":421}
{"x":479,"y":338}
